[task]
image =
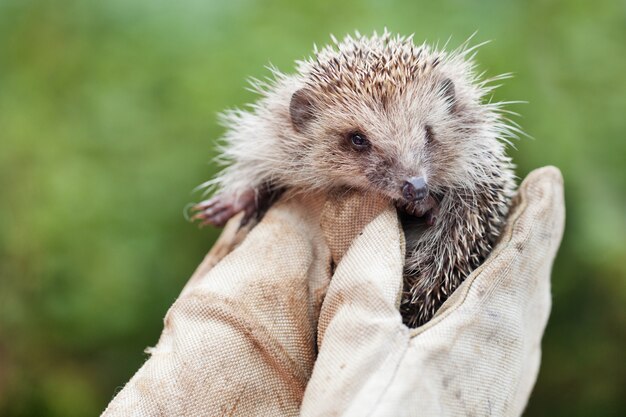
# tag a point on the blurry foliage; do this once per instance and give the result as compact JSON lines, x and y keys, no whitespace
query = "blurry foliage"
{"x":107,"y":122}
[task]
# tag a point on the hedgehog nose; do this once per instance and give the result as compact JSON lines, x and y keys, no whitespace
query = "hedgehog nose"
{"x":415,"y":189}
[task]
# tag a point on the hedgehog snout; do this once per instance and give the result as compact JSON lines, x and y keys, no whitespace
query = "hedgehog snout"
{"x":415,"y":189}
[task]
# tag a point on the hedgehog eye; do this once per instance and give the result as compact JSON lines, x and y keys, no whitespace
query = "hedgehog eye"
{"x":430,"y":135}
{"x":358,"y":141}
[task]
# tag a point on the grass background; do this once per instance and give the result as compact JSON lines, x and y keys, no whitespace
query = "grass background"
{"x":107,"y":122}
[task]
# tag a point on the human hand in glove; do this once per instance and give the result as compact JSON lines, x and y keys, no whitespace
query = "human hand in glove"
{"x":300,"y":317}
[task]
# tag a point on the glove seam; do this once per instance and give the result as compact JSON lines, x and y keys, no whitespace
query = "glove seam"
{"x":254,"y":333}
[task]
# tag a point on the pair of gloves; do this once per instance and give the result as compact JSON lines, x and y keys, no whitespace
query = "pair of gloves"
{"x":299,"y":316}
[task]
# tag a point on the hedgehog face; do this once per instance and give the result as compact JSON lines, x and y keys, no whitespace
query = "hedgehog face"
{"x":382,"y":114}
{"x":404,"y":145}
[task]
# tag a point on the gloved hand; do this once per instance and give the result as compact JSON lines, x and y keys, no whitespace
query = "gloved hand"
{"x":325,"y":274}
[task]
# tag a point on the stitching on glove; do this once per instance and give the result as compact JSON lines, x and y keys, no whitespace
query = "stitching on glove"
{"x":262,"y":339}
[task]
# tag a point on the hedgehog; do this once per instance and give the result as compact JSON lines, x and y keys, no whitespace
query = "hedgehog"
{"x":380,"y":114}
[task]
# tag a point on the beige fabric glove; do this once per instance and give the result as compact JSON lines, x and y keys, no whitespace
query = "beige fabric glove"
{"x":242,"y":339}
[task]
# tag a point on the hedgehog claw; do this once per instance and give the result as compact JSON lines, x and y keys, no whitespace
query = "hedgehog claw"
{"x":221,"y":208}
{"x":203,"y":205}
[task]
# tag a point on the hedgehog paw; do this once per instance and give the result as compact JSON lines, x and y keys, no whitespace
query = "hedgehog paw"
{"x":217,"y":210}
{"x":428,"y":210}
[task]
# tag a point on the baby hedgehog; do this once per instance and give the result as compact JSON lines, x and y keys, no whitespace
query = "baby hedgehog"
{"x":381,"y":114}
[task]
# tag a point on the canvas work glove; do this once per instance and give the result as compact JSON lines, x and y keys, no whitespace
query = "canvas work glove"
{"x":299,"y":316}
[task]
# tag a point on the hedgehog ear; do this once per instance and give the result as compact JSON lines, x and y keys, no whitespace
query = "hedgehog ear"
{"x":448,"y":92}
{"x":301,"y":109}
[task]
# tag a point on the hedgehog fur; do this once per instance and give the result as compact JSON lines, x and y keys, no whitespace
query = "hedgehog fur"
{"x":424,"y":113}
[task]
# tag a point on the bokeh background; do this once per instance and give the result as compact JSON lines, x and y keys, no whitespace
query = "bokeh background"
{"x":108,"y":121}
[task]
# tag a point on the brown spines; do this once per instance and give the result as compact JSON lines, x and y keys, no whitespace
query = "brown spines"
{"x":365,"y":65}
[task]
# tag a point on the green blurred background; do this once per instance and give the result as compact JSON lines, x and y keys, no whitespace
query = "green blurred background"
{"x":107,"y":122}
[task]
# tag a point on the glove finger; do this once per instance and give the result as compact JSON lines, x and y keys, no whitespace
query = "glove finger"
{"x":360,"y":328}
{"x":241,"y":340}
{"x":344,"y":217}
{"x":367,"y":244}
